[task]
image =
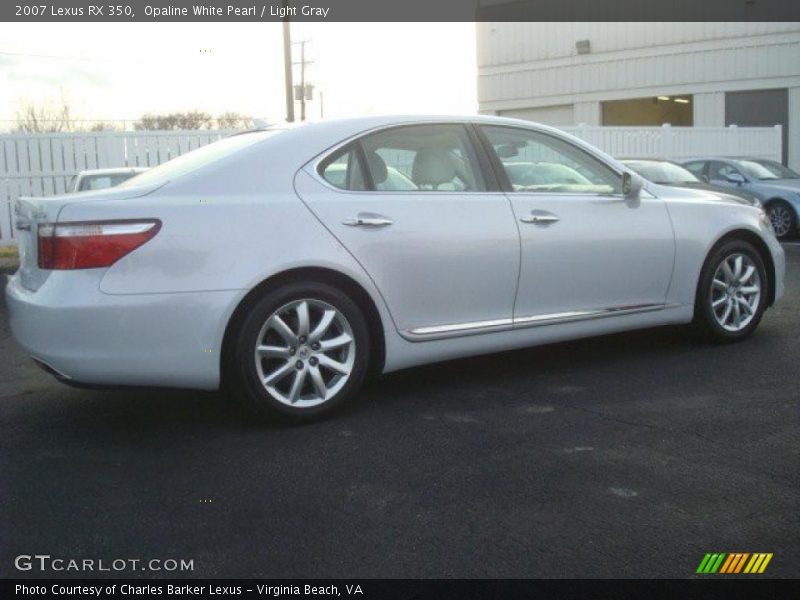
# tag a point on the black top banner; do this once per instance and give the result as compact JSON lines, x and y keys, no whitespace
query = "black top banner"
{"x":399,"y":10}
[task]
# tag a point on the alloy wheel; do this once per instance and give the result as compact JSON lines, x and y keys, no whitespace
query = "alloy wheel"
{"x":304,"y":353}
{"x":735,"y":292}
{"x":781,"y":219}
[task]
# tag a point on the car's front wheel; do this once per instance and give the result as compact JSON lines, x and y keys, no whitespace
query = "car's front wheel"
{"x":732,"y":294}
{"x":301,"y":351}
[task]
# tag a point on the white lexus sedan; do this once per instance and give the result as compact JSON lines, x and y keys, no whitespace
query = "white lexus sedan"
{"x":288,"y":264}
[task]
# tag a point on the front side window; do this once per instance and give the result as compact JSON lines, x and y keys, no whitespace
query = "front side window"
{"x":422,"y":158}
{"x":722,"y":171}
{"x":538,"y":162}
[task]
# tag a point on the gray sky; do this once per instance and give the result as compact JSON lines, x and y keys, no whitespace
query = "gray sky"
{"x":110,"y":71}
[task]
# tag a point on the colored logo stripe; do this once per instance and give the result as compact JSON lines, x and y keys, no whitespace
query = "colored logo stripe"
{"x":758,"y":563}
{"x":710,"y":563}
{"x":734,"y":562}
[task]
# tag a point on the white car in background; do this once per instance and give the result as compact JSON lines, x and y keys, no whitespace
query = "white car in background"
{"x":99,"y":179}
{"x":287,"y":265}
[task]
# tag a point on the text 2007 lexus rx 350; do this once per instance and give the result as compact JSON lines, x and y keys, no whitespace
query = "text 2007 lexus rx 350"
{"x":290,"y":263}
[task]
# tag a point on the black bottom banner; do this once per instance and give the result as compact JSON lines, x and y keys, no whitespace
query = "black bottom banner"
{"x":397,"y":589}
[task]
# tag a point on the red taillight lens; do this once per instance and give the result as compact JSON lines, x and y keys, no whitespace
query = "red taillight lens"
{"x":91,"y":244}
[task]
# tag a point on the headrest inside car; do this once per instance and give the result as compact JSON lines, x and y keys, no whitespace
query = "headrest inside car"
{"x":377,"y":167}
{"x":433,"y":166}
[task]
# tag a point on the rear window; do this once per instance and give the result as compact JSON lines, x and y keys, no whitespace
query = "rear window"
{"x":196,"y":159}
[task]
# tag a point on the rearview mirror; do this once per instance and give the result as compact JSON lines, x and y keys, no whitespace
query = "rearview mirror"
{"x":631,"y":185}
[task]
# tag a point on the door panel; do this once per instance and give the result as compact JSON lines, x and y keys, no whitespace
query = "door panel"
{"x":601,"y":253}
{"x":584,"y":247}
{"x":445,"y":259}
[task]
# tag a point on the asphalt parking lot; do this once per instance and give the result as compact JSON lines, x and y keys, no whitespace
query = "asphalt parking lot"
{"x":624,"y":456}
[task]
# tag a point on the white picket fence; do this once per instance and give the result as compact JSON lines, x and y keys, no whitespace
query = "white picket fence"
{"x":683,"y":143}
{"x":44,"y":164}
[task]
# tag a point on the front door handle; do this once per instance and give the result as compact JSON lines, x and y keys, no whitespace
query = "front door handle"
{"x":368,"y":220}
{"x":22,"y":226}
{"x":541,"y":218}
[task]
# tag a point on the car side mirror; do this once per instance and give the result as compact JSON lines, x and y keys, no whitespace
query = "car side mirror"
{"x":736,"y":178}
{"x":631,"y":185}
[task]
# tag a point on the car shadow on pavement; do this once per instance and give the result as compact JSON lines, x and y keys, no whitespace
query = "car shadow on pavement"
{"x":526,"y":372}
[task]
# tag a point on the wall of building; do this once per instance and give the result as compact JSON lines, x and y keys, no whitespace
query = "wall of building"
{"x":525,"y":67}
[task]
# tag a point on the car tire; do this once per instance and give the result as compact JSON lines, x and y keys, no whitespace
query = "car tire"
{"x":301,"y":352}
{"x":732,"y":293}
{"x":783,"y":218}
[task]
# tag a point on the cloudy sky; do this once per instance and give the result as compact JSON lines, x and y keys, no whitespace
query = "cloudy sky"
{"x":114,"y":71}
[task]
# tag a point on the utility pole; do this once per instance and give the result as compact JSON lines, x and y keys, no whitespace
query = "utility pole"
{"x":303,"y":62}
{"x":287,"y":69}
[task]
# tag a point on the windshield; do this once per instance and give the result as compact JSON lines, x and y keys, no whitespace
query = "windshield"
{"x":778,"y":169}
{"x":197,"y":158}
{"x":755,"y":171}
{"x":662,"y":172}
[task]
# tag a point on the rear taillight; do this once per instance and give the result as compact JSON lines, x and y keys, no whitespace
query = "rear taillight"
{"x":91,"y":244}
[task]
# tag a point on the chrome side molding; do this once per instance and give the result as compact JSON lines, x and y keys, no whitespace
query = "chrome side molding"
{"x":436,"y":332}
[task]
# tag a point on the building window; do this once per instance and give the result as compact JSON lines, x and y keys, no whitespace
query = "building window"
{"x":675,"y":110}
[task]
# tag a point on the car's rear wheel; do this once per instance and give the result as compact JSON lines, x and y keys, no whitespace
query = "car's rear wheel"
{"x":782,"y":217}
{"x":732,"y":294}
{"x":301,"y":352}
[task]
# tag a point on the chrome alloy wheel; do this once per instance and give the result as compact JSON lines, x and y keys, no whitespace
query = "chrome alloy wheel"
{"x":781,"y":220}
{"x":305,"y":353}
{"x":735,"y":292}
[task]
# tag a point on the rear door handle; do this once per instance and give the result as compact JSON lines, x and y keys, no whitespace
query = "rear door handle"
{"x":543,"y":218}
{"x":364,"y":220}
{"x":22,"y":226}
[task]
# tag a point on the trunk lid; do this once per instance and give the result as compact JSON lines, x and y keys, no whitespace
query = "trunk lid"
{"x":30,"y":212}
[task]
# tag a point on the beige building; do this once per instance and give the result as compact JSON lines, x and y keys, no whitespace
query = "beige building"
{"x":685,"y":74}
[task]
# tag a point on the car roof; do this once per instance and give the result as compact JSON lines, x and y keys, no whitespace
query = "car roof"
{"x":328,"y":134}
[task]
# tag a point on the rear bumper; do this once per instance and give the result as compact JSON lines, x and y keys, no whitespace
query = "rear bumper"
{"x":99,"y":339}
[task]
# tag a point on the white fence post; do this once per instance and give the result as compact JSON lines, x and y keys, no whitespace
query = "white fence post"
{"x":667,"y":147}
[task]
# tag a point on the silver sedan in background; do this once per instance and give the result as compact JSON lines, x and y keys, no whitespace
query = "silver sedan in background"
{"x":99,"y":179}
{"x":289,"y":264}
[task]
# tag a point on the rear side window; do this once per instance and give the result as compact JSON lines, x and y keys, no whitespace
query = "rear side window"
{"x":536,"y":162}
{"x":422,"y":158}
{"x":344,"y":171}
{"x":408,"y":158}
